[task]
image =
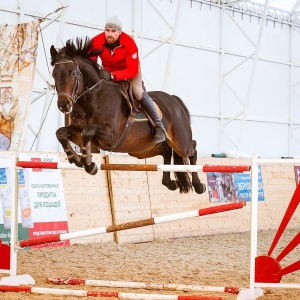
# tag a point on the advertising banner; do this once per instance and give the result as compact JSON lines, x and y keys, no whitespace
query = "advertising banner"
{"x":41,"y":202}
{"x":232,"y":187}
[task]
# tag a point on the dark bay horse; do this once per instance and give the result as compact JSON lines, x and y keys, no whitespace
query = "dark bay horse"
{"x":99,"y":114}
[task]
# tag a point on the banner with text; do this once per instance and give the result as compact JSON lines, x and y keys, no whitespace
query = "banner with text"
{"x":41,"y":209}
{"x":232,"y":187}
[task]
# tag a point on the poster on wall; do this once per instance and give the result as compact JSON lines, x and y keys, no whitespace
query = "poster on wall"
{"x":41,"y":202}
{"x":232,"y":187}
{"x":18,"y":53}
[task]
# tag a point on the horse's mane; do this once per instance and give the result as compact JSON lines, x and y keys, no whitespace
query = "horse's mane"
{"x":79,"y":47}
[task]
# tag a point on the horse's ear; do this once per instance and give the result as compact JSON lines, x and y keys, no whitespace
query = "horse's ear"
{"x":69,"y":49}
{"x":53,"y":51}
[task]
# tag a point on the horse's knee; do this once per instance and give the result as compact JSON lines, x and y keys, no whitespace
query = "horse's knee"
{"x":61,"y":134}
{"x":88,"y":132}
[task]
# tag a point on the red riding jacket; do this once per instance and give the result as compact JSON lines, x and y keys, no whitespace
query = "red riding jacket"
{"x":123,"y":61}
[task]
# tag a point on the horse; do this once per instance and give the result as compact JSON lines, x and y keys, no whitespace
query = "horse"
{"x":100,"y":117}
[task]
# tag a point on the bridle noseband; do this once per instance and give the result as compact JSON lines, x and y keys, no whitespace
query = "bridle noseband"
{"x":74,"y":97}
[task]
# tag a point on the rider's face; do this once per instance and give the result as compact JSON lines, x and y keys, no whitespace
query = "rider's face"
{"x":111,"y":35}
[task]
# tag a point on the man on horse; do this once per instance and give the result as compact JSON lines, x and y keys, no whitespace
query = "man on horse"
{"x":120,"y":57}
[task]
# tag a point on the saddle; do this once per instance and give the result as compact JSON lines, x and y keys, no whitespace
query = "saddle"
{"x":137,"y":113}
{"x":136,"y":109}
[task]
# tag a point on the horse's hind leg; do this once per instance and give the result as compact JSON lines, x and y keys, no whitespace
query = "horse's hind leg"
{"x":199,"y":187}
{"x":64,"y":135}
{"x":166,"y":179}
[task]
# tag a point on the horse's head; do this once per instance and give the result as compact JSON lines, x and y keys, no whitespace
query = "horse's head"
{"x":66,"y":72}
{"x":68,"y":80}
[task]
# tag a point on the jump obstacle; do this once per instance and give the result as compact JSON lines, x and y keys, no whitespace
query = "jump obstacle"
{"x":138,"y":167}
{"x":143,"y":285}
{"x":94,"y":293}
{"x":255,"y":262}
{"x":265,"y":270}
{"x":130,"y":225}
{"x":268,"y":268}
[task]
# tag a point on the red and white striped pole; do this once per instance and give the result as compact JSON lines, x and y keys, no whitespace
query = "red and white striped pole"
{"x":83,"y":293}
{"x":143,"y":285}
{"x":138,"y":167}
{"x":130,"y":225}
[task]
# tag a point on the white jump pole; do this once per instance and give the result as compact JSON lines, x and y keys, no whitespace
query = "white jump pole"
{"x":253,"y":224}
{"x":139,"y":167}
{"x":94,"y":293}
{"x":135,"y":224}
{"x":143,"y":285}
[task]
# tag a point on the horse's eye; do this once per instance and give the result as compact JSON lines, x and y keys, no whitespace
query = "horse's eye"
{"x":74,"y":73}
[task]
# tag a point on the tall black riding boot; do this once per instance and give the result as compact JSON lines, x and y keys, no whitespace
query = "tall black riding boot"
{"x":160,"y":132}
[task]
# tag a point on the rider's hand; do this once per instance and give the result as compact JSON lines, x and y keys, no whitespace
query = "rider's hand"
{"x":107,"y":75}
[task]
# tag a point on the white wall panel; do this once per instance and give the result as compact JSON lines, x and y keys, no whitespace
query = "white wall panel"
{"x":40,"y":6}
{"x":204,"y":132}
{"x":295,"y":47}
{"x":199,"y":25}
{"x":237,"y":80}
{"x":270,"y":93}
{"x":194,"y":77}
{"x":256,"y":138}
{"x":275,"y":42}
{"x":153,"y":65}
{"x":150,"y":23}
{"x":239,"y":38}
{"x":8,"y":18}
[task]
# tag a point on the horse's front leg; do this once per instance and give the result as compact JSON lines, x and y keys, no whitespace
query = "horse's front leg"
{"x":64,"y":136}
{"x":87,"y":158}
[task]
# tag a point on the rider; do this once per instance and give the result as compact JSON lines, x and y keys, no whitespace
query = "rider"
{"x":120,"y":57}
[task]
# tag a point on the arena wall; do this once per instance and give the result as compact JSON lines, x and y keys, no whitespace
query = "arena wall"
{"x":114,"y":197}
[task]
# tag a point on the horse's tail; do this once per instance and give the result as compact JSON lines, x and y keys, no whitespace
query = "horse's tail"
{"x":183,"y":106}
{"x":182,"y":178}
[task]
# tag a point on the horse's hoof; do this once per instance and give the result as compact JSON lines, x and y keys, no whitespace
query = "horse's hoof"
{"x":200,"y":188}
{"x":173,"y":185}
{"x":91,"y":169}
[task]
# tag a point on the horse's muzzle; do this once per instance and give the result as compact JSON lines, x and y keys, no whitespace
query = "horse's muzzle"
{"x":65,"y":103}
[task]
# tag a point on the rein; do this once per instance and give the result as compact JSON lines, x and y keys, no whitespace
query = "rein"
{"x":74,"y":97}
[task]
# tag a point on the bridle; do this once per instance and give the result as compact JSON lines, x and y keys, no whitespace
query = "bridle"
{"x":78,"y":76}
{"x":74,"y":97}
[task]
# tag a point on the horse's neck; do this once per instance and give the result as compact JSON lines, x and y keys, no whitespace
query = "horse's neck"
{"x":90,"y":76}
{"x":105,"y":96}
{"x":101,"y":93}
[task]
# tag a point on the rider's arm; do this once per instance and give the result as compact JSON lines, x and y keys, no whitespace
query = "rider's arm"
{"x":132,"y":62}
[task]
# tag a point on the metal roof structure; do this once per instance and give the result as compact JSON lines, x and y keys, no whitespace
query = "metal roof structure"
{"x":227,"y":52}
{"x":278,"y":10}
